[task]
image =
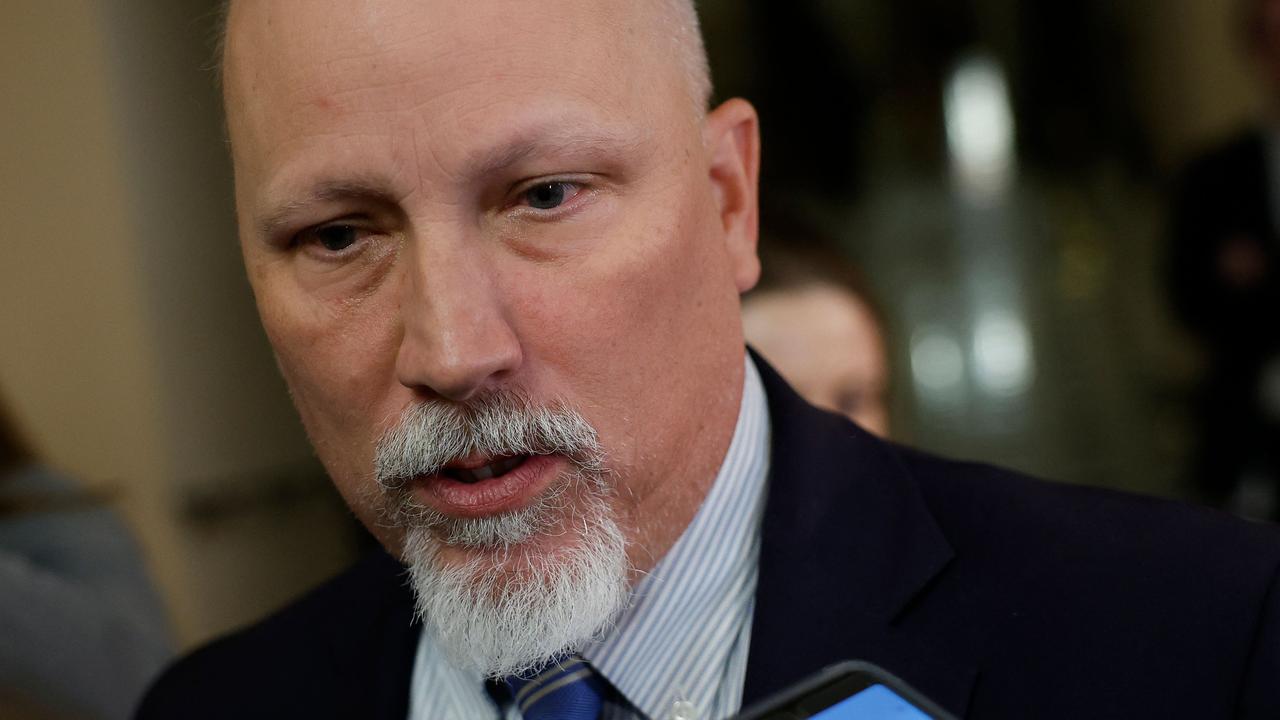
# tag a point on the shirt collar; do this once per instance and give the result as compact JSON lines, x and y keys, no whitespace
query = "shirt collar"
{"x":678,"y":637}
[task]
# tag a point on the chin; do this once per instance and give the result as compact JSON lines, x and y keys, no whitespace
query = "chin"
{"x":510,"y":608}
{"x":519,"y":559}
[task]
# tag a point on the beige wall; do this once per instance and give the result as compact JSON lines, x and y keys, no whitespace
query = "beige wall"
{"x":131,"y":350}
{"x":79,"y":359}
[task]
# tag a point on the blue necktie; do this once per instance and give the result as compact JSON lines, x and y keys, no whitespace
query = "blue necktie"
{"x":567,"y":690}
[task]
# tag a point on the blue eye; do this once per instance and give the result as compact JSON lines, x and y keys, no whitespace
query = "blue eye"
{"x":547,"y":196}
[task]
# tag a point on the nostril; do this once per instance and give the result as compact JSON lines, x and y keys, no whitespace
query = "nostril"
{"x":456,"y":365}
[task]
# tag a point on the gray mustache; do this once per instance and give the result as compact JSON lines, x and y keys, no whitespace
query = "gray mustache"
{"x":433,"y":434}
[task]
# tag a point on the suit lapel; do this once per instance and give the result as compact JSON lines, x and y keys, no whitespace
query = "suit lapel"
{"x":375,"y":646}
{"x":847,"y":544}
{"x":398,"y":644}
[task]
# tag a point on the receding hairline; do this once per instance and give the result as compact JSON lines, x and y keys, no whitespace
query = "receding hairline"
{"x":680,"y":24}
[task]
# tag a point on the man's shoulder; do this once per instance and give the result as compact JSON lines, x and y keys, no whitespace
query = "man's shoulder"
{"x":978,"y":504}
{"x":1067,"y":601}
{"x":298,"y":658}
{"x":987,"y":513}
{"x":1110,"y":581}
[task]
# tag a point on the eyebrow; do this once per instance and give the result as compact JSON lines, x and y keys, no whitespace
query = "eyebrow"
{"x":325,"y":191}
{"x":544,"y":140}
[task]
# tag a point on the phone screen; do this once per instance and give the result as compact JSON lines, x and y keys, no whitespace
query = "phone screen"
{"x":876,"y":702}
{"x":851,"y":690}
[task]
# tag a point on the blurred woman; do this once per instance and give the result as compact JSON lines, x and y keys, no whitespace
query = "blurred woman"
{"x":811,"y":317}
{"x":81,"y":629}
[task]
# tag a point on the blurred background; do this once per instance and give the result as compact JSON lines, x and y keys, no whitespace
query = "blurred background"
{"x":1001,"y":171}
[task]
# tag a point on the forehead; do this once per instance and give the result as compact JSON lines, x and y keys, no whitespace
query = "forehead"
{"x":459,"y":69}
{"x":282,"y":45}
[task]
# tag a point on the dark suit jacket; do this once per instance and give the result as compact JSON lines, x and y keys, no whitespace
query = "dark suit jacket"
{"x":996,"y":595}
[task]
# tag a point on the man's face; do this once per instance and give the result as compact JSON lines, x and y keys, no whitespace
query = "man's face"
{"x":441,"y":202}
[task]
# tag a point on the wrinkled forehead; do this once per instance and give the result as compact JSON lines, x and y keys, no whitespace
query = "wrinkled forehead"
{"x":298,"y":62}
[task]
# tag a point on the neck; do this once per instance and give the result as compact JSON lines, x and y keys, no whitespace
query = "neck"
{"x":655,"y":523}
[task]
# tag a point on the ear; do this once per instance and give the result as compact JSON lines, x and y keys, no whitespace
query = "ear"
{"x":731,"y":134}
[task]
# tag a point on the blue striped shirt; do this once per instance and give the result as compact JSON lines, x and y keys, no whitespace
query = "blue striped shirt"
{"x":680,"y":648}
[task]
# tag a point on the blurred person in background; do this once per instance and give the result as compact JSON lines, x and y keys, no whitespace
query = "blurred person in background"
{"x":1224,"y":266}
{"x":81,"y":629}
{"x":812,"y":317}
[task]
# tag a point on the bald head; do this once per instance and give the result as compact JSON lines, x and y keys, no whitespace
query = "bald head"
{"x":451,"y":204}
{"x":442,"y":198}
{"x":677,"y":35}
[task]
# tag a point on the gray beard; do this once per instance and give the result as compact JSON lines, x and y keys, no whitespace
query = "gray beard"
{"x":512,"y":612}
{"x":510,"y":608}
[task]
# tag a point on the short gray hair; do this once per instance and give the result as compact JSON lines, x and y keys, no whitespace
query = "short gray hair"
{"x":687,"y":34}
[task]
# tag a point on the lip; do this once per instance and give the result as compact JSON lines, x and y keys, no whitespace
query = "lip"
{"x":508,"y":492}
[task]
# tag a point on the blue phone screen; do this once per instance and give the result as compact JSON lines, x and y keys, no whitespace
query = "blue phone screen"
{"x":874,"y":703}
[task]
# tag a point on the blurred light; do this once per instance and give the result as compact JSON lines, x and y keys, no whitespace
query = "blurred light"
{"x":1002,"y":360}
{"x":937,"y":363}
{"x":980,"y":126}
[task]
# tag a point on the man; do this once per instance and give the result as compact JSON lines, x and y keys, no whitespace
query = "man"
{"x":498,"y":248}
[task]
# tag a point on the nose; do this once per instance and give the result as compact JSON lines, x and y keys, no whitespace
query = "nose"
{"x":457,"y":337}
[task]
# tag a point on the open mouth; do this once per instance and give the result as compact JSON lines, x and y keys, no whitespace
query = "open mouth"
{"x":479,"y":485}
{"x":469,"y":473}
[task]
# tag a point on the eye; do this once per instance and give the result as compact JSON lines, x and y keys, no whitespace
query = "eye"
{"x":334,"y":239}
{"x":549,"y":195}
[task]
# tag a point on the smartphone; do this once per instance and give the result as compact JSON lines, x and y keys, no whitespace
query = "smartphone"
{"x":852,"y":690}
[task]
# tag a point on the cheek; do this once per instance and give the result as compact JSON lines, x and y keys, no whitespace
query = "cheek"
{"x":680,"y":290}
{"x":338,"y":362}
{"x":630,"y":303}
{"x":635,"y":329}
